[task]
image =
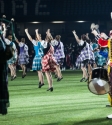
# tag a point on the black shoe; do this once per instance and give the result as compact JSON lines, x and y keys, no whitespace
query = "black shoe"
{"x":14,"y":77}
{"x":23,"y":75}
{"x":82,"y":79}
{"x":11,"y":78}
{"x":108,"y":106}
{"x":59,"y":79}
{"x":50,"y":89}
{"x":40,"y":85}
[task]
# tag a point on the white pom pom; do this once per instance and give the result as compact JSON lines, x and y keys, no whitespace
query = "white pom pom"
{"x":92,"y":26}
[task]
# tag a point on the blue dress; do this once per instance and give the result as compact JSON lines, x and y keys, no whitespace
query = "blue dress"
{"x":37,"y":66}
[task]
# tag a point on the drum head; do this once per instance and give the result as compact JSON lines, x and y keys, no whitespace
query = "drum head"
{"x":98,"y":86}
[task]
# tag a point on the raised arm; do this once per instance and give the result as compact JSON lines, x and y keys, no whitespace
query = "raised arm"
{"x":49,"y":34}
{"x":4,"y":30}
{"x":37,"y":34}
{"x":16,"y":38}
{"x":28,"y":35}
{"x":76,"y":37}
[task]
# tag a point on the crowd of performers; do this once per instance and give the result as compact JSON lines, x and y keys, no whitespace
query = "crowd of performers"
{"x":49,"y":57}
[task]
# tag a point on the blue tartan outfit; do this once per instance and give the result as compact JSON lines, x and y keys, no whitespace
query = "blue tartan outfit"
{"x":37,"y":66}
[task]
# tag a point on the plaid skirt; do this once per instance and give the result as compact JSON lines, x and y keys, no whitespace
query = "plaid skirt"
{"x":37,"y":66}
{"x":48,"y":63}
{"x":4,"y":93}
{"x":23,"y":59}
{"x":13,"y":60}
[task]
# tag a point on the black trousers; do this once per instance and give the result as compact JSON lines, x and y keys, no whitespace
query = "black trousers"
{"x":4,"y":93}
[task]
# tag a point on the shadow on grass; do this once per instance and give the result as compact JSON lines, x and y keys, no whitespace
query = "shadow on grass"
{"x":100,"y":121}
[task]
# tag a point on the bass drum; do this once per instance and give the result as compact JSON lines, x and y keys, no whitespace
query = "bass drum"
{"x":98,"y":81}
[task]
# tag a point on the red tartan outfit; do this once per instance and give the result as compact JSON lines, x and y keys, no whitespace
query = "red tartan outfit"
{"x":48,"y":61}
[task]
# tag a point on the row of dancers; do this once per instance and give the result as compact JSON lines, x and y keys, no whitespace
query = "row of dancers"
{"x":49,"y":56}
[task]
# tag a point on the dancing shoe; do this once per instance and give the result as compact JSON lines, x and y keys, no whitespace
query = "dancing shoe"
{"x":50,"y":89}
{"x":11,"y":78}
{"x":108,"y":106}
{"x":14,"y":77}
{"x":40,"y":85}
{"x":23,"y":75}
{"x":59,"y":79}
{"x":82,"y":79}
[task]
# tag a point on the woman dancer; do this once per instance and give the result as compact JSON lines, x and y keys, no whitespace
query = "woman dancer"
{"x":11,"y":62}
{"x":23,"y":58}
{"x":36,"y":66}
{"x":86,"y":57}
{"x":58,"y":52}
{"x":49,"y":64}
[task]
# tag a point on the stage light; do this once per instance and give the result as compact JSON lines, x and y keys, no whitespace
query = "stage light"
{"x":58,"y":22}
{"x":81,"y":21}
{"x":35,"y":22}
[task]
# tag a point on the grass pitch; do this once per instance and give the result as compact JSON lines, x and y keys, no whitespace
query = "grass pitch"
{"x":70,"y":103}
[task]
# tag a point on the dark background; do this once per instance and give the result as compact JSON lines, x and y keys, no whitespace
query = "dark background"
{"x":46,"y":11}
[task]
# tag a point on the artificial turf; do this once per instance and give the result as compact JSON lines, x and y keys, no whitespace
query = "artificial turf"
{"x":70,"y":103}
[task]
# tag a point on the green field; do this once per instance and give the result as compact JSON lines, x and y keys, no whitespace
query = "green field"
{"x":70,"y":103}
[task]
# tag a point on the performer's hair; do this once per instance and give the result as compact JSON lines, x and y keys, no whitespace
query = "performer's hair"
{"x":58,"y":37}
{"x":36,"y":36}
{"x":83,"y":37}
{"x":23,"y":40}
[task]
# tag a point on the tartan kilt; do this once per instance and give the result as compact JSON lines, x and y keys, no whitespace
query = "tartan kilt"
{"x":37,"y":66}
{"x":23,"y":59}
{"x":13,"y":60}
{"x":60,"y":61}
{"x":4,"y":93}
{"x":48,"y":63}
{"x":84,"y":56}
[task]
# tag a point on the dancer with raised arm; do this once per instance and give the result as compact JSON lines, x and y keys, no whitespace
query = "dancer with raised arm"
{"x":23,"y":58}
{"x":58,"y":52}
{"x":86,"y":55}
{"x":36,"y":66}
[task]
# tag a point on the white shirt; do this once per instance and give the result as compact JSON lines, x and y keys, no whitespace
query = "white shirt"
{"x":35,"y":43}
{"x":81,"y":43}
{"x":44,"y":44}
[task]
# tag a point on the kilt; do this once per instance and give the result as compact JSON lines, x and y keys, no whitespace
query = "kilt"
{"x":4,"y":94}
{"x":49,"y":62}
{"x":13,"y":60}
{"x":23,"y":59}
{"x":85,"y":55}
{"x":37,"y":66}
{"x":60,"y":61}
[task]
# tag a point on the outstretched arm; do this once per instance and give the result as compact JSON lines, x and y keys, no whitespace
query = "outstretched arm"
{"x":16,"y":39}
{"x":37,"y":34}
{"x":76,"y":37}
{"x":28,"y":35}
{"x":49,"y":34}
{"x":4,"y":30}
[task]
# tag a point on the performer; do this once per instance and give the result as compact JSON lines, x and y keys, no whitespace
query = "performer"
{"x":49,"y":64}
{"x":23,"y":58}
{"x":58,"y":52}
{"x":36,"y":66}
{"x":86,"y":57}
{"x":4,"y":93}
{"x":11,"y":62}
